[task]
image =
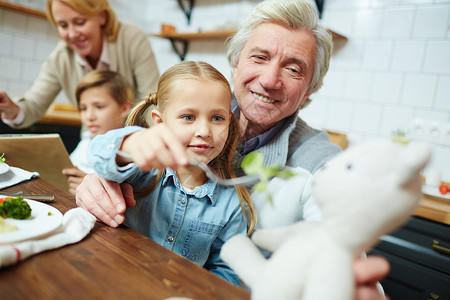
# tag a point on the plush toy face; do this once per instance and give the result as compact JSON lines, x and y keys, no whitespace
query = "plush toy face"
{"x":369,"y":189}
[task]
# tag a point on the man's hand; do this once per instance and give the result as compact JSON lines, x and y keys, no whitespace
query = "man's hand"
{"x":107,"y":200}
{"x":367,"y":273}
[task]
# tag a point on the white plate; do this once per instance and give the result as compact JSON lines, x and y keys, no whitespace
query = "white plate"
{"x":3,"y":168}
{"x":39,"y":223}
{"x":433,"y":191}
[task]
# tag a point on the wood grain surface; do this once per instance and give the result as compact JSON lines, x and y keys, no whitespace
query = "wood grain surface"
{"x":110,"y":263}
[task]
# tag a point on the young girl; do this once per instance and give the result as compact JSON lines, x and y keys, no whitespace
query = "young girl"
{"x":181,"y":210}
{"x":104,"y":99}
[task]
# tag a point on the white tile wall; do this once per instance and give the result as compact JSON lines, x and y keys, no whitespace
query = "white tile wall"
{"x":398,"y":22}
{"x":367,"y":24}
{"x":431,"y":21}
{"x":403,"y":46}
{"x":10,"y":68}
{"x":357,"y":85}
{"x":348,"y":56}
{"x":5,"y":42}
{"x":339,"y":115}
{"x":395,"y":66}
{"x":437,"y":57}
{"x":377,"y":55}
{"x":14,"y":22}
{"x":366,"y":118}
{"x":332,"y":85}
{"x":419,"y":90}
{"x":394,"y":117}
{"x":39,"y":28}
{"x":408,"y":55}
{"x":30,"y":70}
{"x":23,"y":47}
{"x":387,"y":87}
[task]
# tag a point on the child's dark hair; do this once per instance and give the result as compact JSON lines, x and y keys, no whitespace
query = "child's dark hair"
{"x":222,"y":164}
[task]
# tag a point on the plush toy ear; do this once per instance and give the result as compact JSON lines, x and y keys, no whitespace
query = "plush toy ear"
{"x":416,"y":158}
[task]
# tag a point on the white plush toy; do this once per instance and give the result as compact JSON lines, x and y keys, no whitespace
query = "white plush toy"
{"x":364,"y":192}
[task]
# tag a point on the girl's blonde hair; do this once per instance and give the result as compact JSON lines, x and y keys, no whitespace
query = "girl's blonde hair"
{"x":222,"y":164}
{"x":115,"y":84}
{"x":91,"y":8}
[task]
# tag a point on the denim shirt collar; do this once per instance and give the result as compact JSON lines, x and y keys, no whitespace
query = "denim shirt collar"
{"x":208,"y":189}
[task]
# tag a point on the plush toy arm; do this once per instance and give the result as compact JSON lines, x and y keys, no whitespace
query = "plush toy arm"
{"x":330,"y":275}
{"x":271,"y":239}
{"x":244,"y":258}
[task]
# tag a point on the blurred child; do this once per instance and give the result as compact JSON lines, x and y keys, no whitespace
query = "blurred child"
{"x":104,"y":99}
{"x":180,"y":209}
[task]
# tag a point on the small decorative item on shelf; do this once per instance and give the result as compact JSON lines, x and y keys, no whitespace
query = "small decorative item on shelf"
{"x":168,"y":29}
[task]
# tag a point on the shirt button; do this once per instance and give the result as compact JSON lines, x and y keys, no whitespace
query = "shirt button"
{"x":170,"y":239}
{"x":183,"y":201}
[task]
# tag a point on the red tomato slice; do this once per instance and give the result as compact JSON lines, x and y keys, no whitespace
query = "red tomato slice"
{"x":3,"y":199}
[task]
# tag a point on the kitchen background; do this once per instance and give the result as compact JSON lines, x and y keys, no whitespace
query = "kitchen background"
{"x":393,"y":72}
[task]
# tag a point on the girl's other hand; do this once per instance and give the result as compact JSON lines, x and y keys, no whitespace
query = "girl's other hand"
{"x":75,"y":177}
{"x":155,"y":148}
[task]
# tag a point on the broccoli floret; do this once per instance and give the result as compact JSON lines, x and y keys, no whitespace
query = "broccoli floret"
{"x":2,"y":211}
{"x":16,"y":208}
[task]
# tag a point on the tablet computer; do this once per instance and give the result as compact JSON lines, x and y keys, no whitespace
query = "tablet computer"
{"x":43,"y":153}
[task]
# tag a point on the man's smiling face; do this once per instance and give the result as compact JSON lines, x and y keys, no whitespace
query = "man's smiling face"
{"x":272,"y":76}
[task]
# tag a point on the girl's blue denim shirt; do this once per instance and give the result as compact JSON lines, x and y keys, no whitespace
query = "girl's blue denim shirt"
{"x":192,"y":223}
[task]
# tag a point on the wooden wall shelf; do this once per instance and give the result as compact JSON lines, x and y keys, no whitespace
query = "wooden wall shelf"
{"x":23,"y":9}
{"x":180,"y":41}
{"x":185,"y":38}
{"x":209,"y":35}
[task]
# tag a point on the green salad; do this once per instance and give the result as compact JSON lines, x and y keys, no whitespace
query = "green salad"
{"x":2,"y":158}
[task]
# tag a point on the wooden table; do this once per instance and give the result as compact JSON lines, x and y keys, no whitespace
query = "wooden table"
{"x":433,"y":209}
{"x":110,"y":263}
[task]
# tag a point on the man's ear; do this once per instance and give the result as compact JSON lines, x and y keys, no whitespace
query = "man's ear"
{"x":156,"y":117}
{"x":305,"y":101}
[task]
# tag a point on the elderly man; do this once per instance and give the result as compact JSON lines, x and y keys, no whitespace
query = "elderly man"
{"x":279,"y":57}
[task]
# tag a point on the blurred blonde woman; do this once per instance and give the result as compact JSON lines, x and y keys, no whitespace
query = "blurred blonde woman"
{"x":91,"y":39}
{"x":180,"y":209}
{"x":104,"y":99}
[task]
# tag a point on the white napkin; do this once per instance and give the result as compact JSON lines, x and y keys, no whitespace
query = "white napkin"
{"x":76,"y":224}
{"x":15,"y":176}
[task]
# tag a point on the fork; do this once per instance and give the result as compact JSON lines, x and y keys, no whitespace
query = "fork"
{"x":246,"y":180}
